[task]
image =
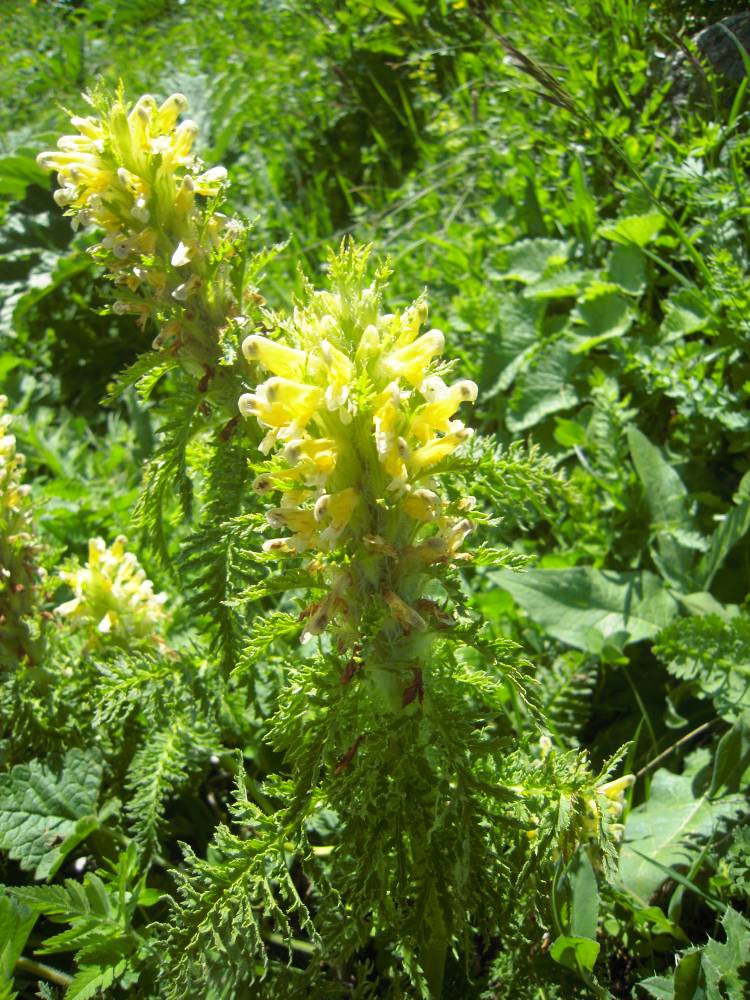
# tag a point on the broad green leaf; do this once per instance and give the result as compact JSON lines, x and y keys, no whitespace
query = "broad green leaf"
{"x":662,"y":832}
{"x":683,"y":313}
{"x":566,"y":283}
{"x":46,"y":810}
{"x":528,"y":260}
{"x":510,"y":348}
{"x":584,"y":897}
{"x":545,"y":388}
{"x":668,"y":503}
{"x":635,"y":230}
{"x":569,"y":433}
{"x":627,"y":269}
{"x":602,"y":318}
{"x":731,"y":530}
{"x":571,"y":603}
{"x":575,"y":952}
{"x":16,"y":923}
{"x":17,"y":172}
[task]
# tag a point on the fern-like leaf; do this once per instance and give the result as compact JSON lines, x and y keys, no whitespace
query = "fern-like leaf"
{"x":157,"y":770}
{"x":216,"y":939}
{"x":566,"y":690}
{"x":211,"y":559}
{"x":166,"y":472}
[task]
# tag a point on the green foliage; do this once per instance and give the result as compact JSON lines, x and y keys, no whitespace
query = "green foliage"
{"x":47,"y":810}
{"x":227,"y":907}
{"x":581,"y":226}
{"x":682,"y":811}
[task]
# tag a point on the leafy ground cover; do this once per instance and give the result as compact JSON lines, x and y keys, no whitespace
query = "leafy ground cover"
{"x":190,"y":803}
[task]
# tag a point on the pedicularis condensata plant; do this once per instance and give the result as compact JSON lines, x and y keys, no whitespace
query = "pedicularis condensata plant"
{"x":406,"y":729}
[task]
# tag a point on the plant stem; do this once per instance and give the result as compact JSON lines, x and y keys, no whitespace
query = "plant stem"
{"x":436,"y":947}
{"x":45,"y":971}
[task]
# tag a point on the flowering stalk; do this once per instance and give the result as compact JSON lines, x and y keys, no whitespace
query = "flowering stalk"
{"x":363,"y":416}
{"x":362,"y":419}
{"x":114,"y":601}
{"x":171,"y":255}
{"x":20,"y":575}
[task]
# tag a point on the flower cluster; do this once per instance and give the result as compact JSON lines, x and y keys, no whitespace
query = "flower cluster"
{"x":19,"y":573}
{"x":112,"y":594}
{"x":361,"y":413}
{"x":133,"y":174}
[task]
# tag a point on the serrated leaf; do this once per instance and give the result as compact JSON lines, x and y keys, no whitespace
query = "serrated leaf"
{"x":507,"y":351}
{"x":545,"y":388}
{"x":527,"y":260}
{"x":658,"y":987}
{"x":602,"y":318}
{"x":46,"y":810}
{"x":635,"y":230}
{"x":684,"y":313}
{"x":627,"y":269}
{"x":725,"y":966}
{"x":265,"y":632}
{"x":566,"y":283}
{"x":92,"y":980}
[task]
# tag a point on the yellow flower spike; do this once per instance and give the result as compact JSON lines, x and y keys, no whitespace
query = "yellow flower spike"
{"x":90,"y":128}
{"x":338,"y":508}
{"x":411,"y":362}
{"x":313,"y":459}
{"x":185,"y":198}
{"x":413,"y":319}
{"x":360,"y":418}
{"x":139,"y":121}
{"x":177,"y":152}
{"x":339,"y":375}
{"x":369,"y":344}
{"x":406,"y":616}
{"x":279,"y":402}
{"x":211,"y":182}
{"x":299,"y":521}
{"x":614,"y":792}
{"x":422,"y":505}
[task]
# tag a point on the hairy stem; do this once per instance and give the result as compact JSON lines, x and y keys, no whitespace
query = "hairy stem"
{"x":45,"y":971}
